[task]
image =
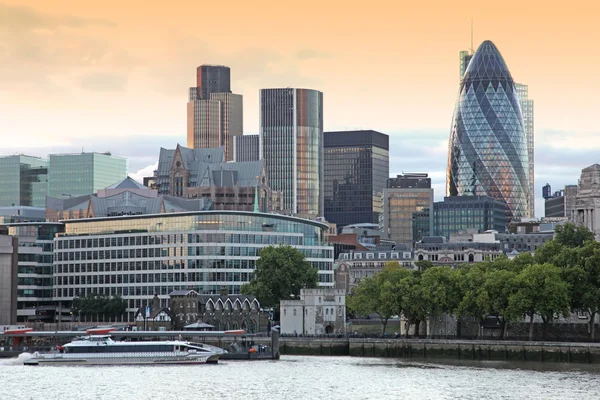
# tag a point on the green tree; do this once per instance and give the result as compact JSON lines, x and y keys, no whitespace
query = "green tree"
{"x":571,"y":235}
{"x":367,"y":298}
{"x":279,"y":275}
{"x":440,"y":290}
{"x":539,"y":289}
{"x":470,"y":282}
{"x":583,"y":277}
{"x":415,"y":309}
{"x":493,"y":297}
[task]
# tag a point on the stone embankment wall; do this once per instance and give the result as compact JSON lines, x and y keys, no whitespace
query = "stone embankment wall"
{"x":588,"y":353}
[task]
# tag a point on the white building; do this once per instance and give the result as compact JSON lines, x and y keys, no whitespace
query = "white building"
{"x":318,"y":312}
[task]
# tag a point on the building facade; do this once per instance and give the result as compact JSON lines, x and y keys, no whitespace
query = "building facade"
{"x":35,"y":270}
{"x":440,"y":252}
{"x":72,"y":175}
{"x":9,"y":215}
{"x":356,"y":169}
{"x":358,"y":265}
{"x":23,"y":181}
{"x":586,"y":210}
{"x":560,"y":203}
{"x":8,"y":279}
{"x":527,"y":109}
{"x":318,"y":312}
{"x":407,"y":205}
{"x":201,"y":174}
{"x":487,"y":151}
{"x":291,"y":145}
{"x":459,"y":213}
{"x":214,"y":114}
{"x":141,"y":255}
{"x":245,"y":148}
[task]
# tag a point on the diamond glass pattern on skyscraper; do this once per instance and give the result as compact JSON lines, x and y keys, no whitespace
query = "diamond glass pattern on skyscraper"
{"x":487,"y":151}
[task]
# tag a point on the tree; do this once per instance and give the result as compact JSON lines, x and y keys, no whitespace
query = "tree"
{"x":94,"y":306}
{"x":540,"y":290}
{"x":571,"y":235}
{"x":494,"y":294}
{"x":470,"y":283}
{"x":279,"y":275}
{"x":440,"y":290}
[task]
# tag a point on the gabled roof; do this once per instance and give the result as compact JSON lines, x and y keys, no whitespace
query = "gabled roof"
{"x":127,"y":183}
{"x":184,"y":292}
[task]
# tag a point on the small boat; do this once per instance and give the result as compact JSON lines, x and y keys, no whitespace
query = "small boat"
{"x":102,"y":350}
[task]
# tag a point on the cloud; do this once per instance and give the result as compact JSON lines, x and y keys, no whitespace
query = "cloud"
{"x":144,"y":172}
{"x":308,"y":54}
{"x":24,"y":18}
{"x":104,"y":82}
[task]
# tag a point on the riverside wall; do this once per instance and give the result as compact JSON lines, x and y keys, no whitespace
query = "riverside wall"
{"x":588,"y":353}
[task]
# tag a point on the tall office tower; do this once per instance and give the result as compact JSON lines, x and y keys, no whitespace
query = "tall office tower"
{"x":291,"y":143}
{"x":527,"y":111}
{"x":356,"y":169}
{"x":23,"y":181}
{"x":212,"y":79}
{"x":245,"y":148}
{"x":214,"y":114}
{"x":408,"y":208}
{"x":465,"y":59}
{"x":72,"y":175}
{"x":487,"y":150}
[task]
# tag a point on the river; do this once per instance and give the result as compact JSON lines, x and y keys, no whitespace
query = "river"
{"x":295,"y":377}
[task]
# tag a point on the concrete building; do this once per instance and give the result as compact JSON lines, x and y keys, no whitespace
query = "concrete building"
{"x":72,"y":175}
{"x":203,"y":174}
{"x":460,"y":213}
{"x":291,"y":145}
{"x":318,"y":312}
{"x":137,"y":256}
{"x":9,"y":215}
{"x":246,"y":148}
{"x":440,"y":252}
{"x":35,"y":270}
{"x":407,"y":205}
{"x":586,"y":210}
{"x":356,"y":169}
{"x":8,"y":279}
{"x":214,"y":114}
{"x":356,"y":265}
{"x":23,"y":181}
{"x":560,"y":203}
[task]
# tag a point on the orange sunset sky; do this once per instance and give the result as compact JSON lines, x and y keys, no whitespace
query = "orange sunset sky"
{"x":114,"y":75}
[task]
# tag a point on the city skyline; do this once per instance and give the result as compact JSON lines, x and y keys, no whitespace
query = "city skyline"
{"x":96,"y":77}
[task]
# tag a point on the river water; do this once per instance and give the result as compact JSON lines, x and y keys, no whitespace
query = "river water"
{"x":302,"y":378}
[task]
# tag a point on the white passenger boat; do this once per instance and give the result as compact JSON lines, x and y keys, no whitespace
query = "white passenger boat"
{"x":102,"y":350}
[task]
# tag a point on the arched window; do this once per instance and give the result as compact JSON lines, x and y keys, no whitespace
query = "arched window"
{"x":420,"y":257}
{"x":471,"y":258}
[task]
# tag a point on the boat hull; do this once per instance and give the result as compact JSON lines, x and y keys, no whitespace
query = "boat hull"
{"x":50,"y":359}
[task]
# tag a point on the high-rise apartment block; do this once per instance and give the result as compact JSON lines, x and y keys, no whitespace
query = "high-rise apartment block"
{"x":214,"y":114}
{"x":407,"y":208}
{"x":23,"y":181}
{"x":291,"y":144}
{"x":246,"y":148}
{"x":72,"y":175}
{"x":356,"y":169}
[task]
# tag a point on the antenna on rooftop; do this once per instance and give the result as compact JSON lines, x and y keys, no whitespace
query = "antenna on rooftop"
{"x":471,"y":49}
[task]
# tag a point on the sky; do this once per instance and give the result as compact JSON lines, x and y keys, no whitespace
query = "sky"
{"x":114,"y":76}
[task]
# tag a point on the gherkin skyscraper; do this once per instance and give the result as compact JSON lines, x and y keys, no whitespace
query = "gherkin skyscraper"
{"x":487,"y":151}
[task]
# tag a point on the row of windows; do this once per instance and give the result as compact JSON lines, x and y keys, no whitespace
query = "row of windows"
{"x":151,"y":278}
{"x":121,"y":349}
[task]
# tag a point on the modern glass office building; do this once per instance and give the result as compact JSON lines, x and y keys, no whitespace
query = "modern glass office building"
{"x":35,"y":270}
{"x":139,"y":256}
{"x":487,"y":151}
{"x":291,"y":143}
{"x":72,"y":175}
{"x":407,"y":216}
{"x":356,"y":169}
{"x":245,"y":148}
{"x":460,"y":213}
{"x":23,"y":181}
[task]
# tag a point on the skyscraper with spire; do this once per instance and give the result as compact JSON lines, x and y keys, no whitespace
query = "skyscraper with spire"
{"x":214,"y":114}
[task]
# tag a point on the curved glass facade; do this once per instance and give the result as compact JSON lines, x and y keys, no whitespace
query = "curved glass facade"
{"x":487,"y":151}
{"x":139,"y":256}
